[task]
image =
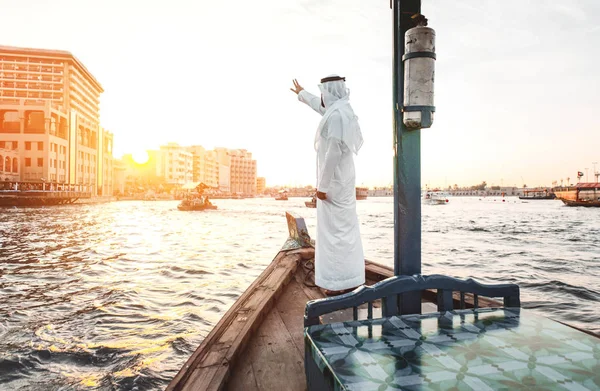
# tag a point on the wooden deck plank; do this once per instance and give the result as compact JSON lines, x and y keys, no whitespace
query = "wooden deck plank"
{"x":313,"y":293}
{"x":242,"y":376}
{"x":201,"y":377}
{"x":276,"y":365}
{"x":376,"y":272}
{"x":290,"y":306}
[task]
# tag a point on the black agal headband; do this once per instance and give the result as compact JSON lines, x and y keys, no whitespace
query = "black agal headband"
{"x":332,"y":78}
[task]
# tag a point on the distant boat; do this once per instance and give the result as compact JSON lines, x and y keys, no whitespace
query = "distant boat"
{"x":435,"y":197}
{"x":537,"y":194}
{"x":362,"y":193}
{"x":312,"y":203}
{"x":282,"y":196}
{"x":195,"y":204}
{"x":196,"y":207}
{"x":582,"y":194}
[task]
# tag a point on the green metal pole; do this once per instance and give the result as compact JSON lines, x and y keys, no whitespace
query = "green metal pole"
{"x":407,"y":167}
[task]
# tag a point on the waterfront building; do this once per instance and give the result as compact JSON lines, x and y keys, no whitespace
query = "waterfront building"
{"x":205,"y":166}
{"x":261,"y":185}
{"x":243,"y":172}
{"x":175,"y":164}
{"x":50,"y":119}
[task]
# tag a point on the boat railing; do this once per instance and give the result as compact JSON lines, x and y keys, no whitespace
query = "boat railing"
{"x":390,"y":291}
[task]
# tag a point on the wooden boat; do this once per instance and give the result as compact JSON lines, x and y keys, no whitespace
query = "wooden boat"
{"x":258,"y":344}
{"x":586,"y":203}
{"x":312,"y":203}
{"x":582,"y":194}
{"x":362,"y":193}
{"x":537,"y":194}
{"x":188,"y":206}
{"x":196,"y":207}
{"x":27,"y":194}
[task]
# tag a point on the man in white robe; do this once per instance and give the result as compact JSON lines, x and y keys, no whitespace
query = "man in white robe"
{"x":339,"y":258}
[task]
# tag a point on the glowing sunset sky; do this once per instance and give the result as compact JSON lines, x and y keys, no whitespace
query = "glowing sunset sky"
{"x":517,"y":81}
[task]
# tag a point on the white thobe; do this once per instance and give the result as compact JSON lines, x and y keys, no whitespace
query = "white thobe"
{"x":339,"y":257}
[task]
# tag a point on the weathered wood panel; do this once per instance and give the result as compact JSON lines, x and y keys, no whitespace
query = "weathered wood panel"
{"x":277,"y":364}
{"x":291,"y":307}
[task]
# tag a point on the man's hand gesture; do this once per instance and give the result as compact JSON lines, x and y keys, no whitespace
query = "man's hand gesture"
{"x":297,"y":87}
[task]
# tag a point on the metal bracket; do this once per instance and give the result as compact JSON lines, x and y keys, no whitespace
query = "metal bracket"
{"x":426,"y":120}
{"x":408,"y":56}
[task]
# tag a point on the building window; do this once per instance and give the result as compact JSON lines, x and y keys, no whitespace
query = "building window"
{"x":2,"y":144}
{"x":40,"y":145}
{"x":10,"y":122}
{"x":27,"y":162}
{"x":7,"y":164}
{"x":28,"y":145}
{"x":15,"y":165}
{"x":34,"y":122}
{"x":40,"y":162}
{"x":1,"y":163}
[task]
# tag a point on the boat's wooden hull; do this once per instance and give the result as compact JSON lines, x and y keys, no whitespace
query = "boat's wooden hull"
{"x":310,"y":204}
{"x":589,"y":204}
{"x":548,"y":197}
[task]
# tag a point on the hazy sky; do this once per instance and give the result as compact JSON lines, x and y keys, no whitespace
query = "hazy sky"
{"x":517,"y":81}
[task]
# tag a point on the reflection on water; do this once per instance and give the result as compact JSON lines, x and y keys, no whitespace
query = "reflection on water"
{"x":117,"y":296}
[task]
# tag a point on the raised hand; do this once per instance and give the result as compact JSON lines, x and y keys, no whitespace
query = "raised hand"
{"x":297,"y":87}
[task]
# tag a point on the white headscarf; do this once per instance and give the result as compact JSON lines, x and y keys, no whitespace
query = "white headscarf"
{"x":336,"y":98}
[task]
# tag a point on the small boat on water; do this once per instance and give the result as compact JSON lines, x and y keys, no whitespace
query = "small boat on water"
{"x":362,"y":193}
{"x":196,"y":207}
{"x":538,"y":194}
{"x":582,"y":194}
{"x":282,"y":196}
{"x":435,"y":197}
{"x":196,"y":204}
{"x":312,"y":203}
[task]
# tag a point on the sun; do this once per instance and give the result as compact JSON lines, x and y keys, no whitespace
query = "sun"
{"x":140,"y":157}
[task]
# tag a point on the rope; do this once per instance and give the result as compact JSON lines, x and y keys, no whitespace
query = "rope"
{"x":309,"y":268}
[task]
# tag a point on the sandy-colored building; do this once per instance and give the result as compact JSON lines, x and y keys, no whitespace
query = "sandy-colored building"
{"x":175,"y":164}
{"x":119,"y":176}
{"x":49,"y":115}
{"x":9,"y":163}
{"x":261,"y":185}
{"x":241,"y":168}
{"x":205,"y":166}
{"x":243,"y":172}
{"x":223,"y":169}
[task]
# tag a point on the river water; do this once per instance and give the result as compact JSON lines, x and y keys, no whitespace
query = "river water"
{"x":118,"y":295}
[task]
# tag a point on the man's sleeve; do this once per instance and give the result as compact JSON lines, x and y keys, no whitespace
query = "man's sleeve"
{"x":313,"y":101}
{"x":334,"y":152}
